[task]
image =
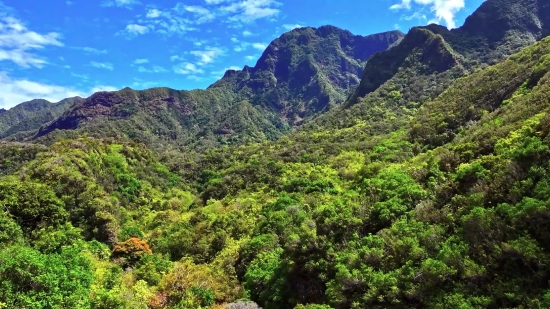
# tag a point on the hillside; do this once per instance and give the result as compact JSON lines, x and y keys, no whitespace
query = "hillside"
{"x":31,"y":115}
{"x":493,"y":32}
{"x":430,"y":189}
{"x":307,"y":70}
{"x":300,"y":74}
{"x":325,"y":219}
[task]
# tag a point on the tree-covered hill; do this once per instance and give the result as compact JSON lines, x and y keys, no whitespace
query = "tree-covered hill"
{"x":29,"y":116}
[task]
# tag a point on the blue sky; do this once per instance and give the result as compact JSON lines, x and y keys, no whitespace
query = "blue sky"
{"x":54,"y":49}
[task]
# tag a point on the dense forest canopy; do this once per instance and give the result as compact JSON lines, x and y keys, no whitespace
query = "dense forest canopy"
{"x":389,"y":171}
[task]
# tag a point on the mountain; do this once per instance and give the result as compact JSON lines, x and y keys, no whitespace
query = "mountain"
{"x":299,"y":75}
{"x":2,"y":110}
{"x":307,"y":70}
{"x":29,"y":116}
{"x":497,"y":29}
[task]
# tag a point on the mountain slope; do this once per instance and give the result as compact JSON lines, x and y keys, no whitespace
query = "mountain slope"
{"x":298,"y":76}
{"x":497,"y":29}
{"x":331,"y":219}
{"x":31,"y":115}
{"x":307,"y":69}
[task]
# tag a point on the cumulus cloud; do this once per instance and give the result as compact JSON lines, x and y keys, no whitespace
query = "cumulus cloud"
{"x":17,"y":43}
{"x":134,"y":30}
{"x":187,"y":68}
{"x":153,"y":13}
{"x":443,"y":10}
{"x":251,"y":10}
{"x":207,"y":55}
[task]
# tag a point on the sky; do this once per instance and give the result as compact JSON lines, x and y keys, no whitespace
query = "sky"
{"x":54,"y":49}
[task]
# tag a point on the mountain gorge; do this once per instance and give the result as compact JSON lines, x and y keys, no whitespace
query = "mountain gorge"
{"x":416,"y":175}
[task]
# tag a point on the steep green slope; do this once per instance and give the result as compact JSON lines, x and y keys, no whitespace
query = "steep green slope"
{"x":299,"y":75}
{"x":31,"y":115}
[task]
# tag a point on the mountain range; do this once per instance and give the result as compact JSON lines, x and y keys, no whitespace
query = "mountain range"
{"x":300,"y":74}
{"x":341,"y":171}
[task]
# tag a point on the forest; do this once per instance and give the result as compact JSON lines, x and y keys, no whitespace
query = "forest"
{"x":425,"y":183}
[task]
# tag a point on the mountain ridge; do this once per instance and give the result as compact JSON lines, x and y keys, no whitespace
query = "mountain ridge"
{"x":292,"y":80}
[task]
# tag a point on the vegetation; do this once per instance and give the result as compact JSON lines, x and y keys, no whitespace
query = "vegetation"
{"x":302,"y":73}
{"x":404,"y":198}
{"x":27,"y":117}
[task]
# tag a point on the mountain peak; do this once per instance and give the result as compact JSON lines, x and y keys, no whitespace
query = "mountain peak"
{"x":307,"y":69}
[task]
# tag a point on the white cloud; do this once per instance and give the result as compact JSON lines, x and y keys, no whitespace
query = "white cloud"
{"x":141,"y":61}
{"x":183,"y":18}
{"x":251,"y":10}
{"x":142,"y":84}
{"x":14,"y":91}
{"x":444,"y":10}
{"x":16,"y":43}
{"x":208,"y":55}
{"x":405,"y":4}
{"x":120,"y":3}
{"x":215,"y":1}
{"x":102,"y":65}
{"x":260,"y":46}
{"x":91,"y":50}
{"x":135,"y":29}
{"x":176,"y":57}
{"x":416,"y":15}
{"x":201,"y":15}
{"x":154,"y":69}
{"x":80,"y":76}
{"x":187,"y":68}
{"x":242,"y":46}
{"x":153,"y":13}
{"x":291,"y":26}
